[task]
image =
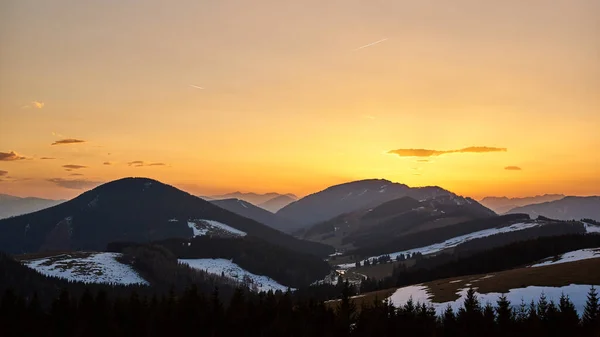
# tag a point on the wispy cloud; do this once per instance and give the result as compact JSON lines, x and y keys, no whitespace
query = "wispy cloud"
{"x":107,"y":163}
{"x":3,"y":173}
{"x":423,"y":160}
{"x":371,"y":44}
{"x":513,"y":168}
{"x":76,"y":174}
{"x":68,"y":141}
{"x":75,"y":184}
{"x":10,"y":156}
{"x":47,"y":158}
{"x":196,"y":87}
{"x":140,"y":163}
{"x":34,"y":104}
{"x":74,"y":167}
{"x":431,"y":153}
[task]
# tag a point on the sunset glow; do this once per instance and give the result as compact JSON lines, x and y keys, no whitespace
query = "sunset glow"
{"x":481,"y":98}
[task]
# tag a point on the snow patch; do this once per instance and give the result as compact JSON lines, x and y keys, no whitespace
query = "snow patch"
{"x":455,"y":281}
{"x":233,"y":271}
{"x":591,"y":228}
{"x":87,"y":268}
{"x":204,"y":227}
{"x":419,"y":293}
{"x":453,"y":242}
{"x":174,"y":220}
{"x":577,"y":255}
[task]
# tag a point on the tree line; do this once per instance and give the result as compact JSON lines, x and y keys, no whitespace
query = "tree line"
{"x":192,"y":313}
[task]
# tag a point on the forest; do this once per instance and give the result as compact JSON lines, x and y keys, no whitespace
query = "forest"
{"x":192,"y":313}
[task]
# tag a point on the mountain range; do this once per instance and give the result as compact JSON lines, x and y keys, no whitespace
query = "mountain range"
{"x":132,"y":209}
{"x":353,"y":196}
{"x":502,"y":205}
{"x":266,"y":199}
{"x":11,"y":205}
{"x":567,"y":208}
{"x":257,"y":214}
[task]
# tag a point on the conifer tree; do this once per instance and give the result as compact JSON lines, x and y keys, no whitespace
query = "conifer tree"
{"x":591,"y":313}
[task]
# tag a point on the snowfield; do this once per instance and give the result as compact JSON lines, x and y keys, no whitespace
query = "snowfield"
{"x":577,"y":255}
{"x":591,"y":228}
{"x":87,"y":267}
{"x":234,"y":272}
{"x":204,"y":227}
{"x":577,"y":294}
{"x":453,"y":242}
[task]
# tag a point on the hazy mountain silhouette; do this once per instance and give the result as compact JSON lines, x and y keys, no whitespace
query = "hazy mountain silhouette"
{"x":502,"y":205}
{"x":12,"y":206}
{"x":277,"y":203}
{"x":129,"y":209}
{"x":567,"y":208}
{"x":353,"y":196}
{"x":258,"y":214}
{"x":253,"y":198}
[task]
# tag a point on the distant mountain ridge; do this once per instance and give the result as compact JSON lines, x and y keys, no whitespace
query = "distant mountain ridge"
{"x":567,"y":208}
{"x":354,"y":196}
{"x":251,"y":197}
{"x":277,"y":203}
{"x":256,"y":213}
{"x":129,"y":209}
{"x":11,"y":205}
{"x":502,"y":205}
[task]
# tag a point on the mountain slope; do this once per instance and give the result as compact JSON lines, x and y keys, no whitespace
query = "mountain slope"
{"x":129,"y":209}
{"x":502,"y":205}
{"x":12,"y":206}
{"x":256,"y":213}
{"x":277,"y":203}
{"x":394,"y":219}
{"x":350,"y":197}
{"x":568,"y":208}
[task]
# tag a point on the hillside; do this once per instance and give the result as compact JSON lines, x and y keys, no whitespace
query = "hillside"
{"x":502,"y":205}
{"x":351,"y":197}
{"x":568,"y":208}
{"x":13,"y":206}
{"x":256,"y":213}
{"x":393,"y":219}
{"x":130,"y":209}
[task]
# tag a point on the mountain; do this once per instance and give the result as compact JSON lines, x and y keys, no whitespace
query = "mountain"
{"x":352,"y":196}
{"x":277,"y":203}
{"x":394,"y":219}
{"x":253,"y":198}
{"x":502,"y":205}
{"x":134,"y":210}
{"x":12,"y":206}
{"x":257,"y":214}
{"x":567,"y":208}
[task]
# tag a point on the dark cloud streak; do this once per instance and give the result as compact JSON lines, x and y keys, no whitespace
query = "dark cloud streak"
{"x":432,"y":153}
{"x":68,"y":141}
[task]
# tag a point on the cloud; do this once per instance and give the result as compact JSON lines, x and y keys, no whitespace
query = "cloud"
{"x":512,"y":168}
{"x":196,"y":87}
{"x":73,"y":167}
{"x":107,"y":163}
{"x":76,"y":174}
{"x":68,"y":141}
{"x":3,"y":173}
{"x":431,"y":153}
{"x":140,"y":163}
{"x":34,"y":104}
{"x":423,"y":160}
{"x":10,"y":156}
{"x":75,"y":184}
{"x":47,"y":158}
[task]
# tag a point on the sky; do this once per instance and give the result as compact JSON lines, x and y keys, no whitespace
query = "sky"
{"x":478,"y":97}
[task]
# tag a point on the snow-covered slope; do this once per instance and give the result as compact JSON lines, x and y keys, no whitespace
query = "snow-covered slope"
{"x":87,"y":267}
{"x":455,"y":241}
{"x":235,"y":272}
{"x":419,"y":293}
{"x":582,"y":254}
{"x":204,"y":227}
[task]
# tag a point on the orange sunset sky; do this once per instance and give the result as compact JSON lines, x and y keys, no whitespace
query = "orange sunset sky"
{"x":479,"y":97}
